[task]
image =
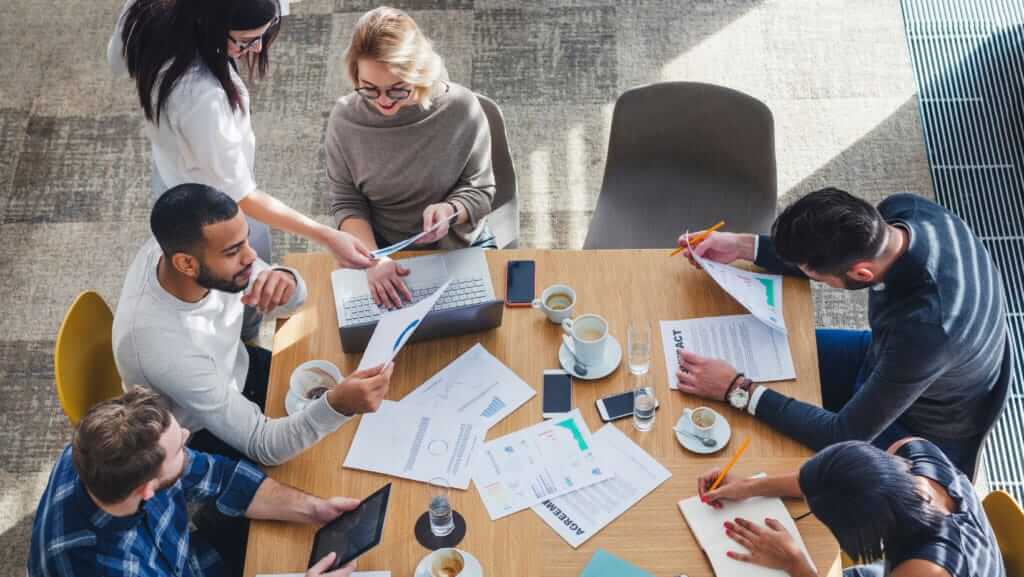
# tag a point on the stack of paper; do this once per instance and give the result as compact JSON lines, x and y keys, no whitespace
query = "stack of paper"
{"x":750,"y":346}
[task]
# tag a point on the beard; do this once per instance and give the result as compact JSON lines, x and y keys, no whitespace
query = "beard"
{"x":235,"y":284}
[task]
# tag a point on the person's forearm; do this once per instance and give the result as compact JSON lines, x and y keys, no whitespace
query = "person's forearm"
{"x":461,"y":210}
{"x":278,"y":502}
{"x":787,"y":485}
{"x":276,"y":214}
{"x":360,"y":229}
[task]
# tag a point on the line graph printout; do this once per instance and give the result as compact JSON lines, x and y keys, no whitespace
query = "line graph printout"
{"x":759,"y":293}
{"x":475,"y":384}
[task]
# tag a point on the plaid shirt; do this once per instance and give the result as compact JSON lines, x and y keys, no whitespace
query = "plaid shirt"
{"x":73,"y":537}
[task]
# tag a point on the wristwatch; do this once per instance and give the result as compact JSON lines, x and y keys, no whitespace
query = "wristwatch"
{"x":739,"y":392}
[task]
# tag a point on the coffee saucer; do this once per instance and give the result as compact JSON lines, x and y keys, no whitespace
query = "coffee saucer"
{"x":612,"y":358}
{"x":721,"y":433}
{"x":473,"y":567}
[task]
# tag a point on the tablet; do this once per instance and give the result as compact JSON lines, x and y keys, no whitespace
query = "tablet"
{"x":354,"y":532}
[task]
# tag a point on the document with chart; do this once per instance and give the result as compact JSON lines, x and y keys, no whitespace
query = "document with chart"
{"x":754,"y":349}
{"x":761,"y":294}
{"x":416,"y":443}
{"x":579,"y":515}
{"x":476,"y":383}
{"x":541,"y":462}
{"x":394,"y":329}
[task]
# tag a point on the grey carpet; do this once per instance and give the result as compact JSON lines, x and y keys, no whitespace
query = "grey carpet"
{"x":74,"y":165}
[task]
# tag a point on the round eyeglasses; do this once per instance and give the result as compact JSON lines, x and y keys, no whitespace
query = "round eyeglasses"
{"x":373,"y":93}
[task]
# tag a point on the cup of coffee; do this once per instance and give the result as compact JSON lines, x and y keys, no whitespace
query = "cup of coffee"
{"x":556,"y":302}
{"x":447,"y":562}
{"x":311,"y":380}
{"x":589,"y":336}
{"x":701,"y":421}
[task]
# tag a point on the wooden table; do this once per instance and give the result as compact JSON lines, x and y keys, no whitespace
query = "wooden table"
{"x":619,"y":285}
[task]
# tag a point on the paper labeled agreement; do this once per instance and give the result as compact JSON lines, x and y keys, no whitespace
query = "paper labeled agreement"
{"x":579,"y":515}
{"x":394,"y":330}
{"x":546,"y":460}
{"x":754,"y":349}
{"x":761,"y":294}
{"x":706,"y":524}
{"x":416,"y":443}
{"x":477,"y":384}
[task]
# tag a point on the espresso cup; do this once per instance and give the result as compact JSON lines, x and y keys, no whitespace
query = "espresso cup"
{"x":447,"y":562}
{"x":556,"y":302}
{"x":589,"y":336}
{"x":307,"y":385}
{"x":701,"y":421}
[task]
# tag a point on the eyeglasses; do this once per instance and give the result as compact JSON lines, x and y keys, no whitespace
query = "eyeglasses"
{"x":373,"y":93}
{"x":242,"y":46}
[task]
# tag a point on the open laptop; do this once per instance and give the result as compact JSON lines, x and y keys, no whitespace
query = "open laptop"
{"x":468,"y":305}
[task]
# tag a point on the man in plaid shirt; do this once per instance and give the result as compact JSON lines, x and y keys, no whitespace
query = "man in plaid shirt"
{"x":116,"y":502}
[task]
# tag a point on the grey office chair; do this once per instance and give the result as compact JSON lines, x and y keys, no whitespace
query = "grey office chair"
{"x":504,"y":217}
{"x":999,"y":396}
{"x":683,"y":156}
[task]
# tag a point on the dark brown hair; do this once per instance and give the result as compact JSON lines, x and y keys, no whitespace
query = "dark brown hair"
{"x":116,"y":447}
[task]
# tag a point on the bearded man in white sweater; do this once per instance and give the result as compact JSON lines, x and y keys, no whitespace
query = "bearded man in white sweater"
{"x":178,"y":325}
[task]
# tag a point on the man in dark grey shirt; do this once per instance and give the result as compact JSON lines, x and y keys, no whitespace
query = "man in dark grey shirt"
{"x":936,"y":312}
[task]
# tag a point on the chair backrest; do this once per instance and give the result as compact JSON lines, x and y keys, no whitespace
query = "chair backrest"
{"x":684,"y":155}
{"x":1007,"y":520}
{"x":504,"y":217}
{"x":83,"y":358}
{"x":999,"y":396}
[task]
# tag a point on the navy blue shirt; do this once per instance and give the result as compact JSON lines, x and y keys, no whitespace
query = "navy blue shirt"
{"x":937,"y":338}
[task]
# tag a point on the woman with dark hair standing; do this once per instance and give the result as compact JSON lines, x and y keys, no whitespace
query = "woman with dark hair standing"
{"x":909,"y":511}
{"x":183,"y":56}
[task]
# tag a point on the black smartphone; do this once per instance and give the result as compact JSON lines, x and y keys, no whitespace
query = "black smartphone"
{"x":617,"y":406}
{"x":354,"y":532}
{"x":519,"y":283}
{"x":557,"y":393}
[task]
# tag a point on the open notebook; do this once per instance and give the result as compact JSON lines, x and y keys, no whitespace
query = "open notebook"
{"x":706,"y":523}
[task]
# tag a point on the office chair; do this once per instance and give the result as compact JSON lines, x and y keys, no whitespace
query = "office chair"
{"x":83,"y":357}
{"x":504,"y":217}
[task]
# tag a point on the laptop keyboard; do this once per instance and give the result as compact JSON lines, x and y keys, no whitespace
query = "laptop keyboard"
{"x":460,"y":293}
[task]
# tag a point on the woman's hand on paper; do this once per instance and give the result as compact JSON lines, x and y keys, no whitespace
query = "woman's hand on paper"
{"x":702,"y":376}
{"x":438,"y":215}
{"x":769,"y":546}
{"x":386,"y":285}
{"x":323,"y":564}
{"x":730,"y":489}
{"x":348,"y":251}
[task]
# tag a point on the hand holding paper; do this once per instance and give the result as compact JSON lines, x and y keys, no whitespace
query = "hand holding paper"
{"x":394,"y":330}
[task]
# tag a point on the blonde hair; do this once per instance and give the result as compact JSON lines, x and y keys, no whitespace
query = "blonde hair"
{"x":390,"y":36}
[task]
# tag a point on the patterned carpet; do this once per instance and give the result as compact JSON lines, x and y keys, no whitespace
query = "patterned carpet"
{"x":74,"y":165}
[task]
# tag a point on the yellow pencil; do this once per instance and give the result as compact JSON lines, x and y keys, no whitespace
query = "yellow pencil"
{"x":699,"y":237}
{"x":735,"y":458}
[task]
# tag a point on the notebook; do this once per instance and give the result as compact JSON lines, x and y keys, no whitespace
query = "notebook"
{"x":604,"y":564}
{"x":706,"y":524}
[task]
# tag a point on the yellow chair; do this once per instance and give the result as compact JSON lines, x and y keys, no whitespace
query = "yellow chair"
{"x":83,"y":358}
{"x":1007,"y":519}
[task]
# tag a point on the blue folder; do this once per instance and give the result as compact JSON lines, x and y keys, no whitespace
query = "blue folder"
{"x":604,"y":564}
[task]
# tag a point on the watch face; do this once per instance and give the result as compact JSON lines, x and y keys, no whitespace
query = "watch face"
{"x":738,"y":398}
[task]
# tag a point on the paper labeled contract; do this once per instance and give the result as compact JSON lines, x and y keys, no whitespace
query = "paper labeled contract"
{"x":544,"y":461}
{"x":761,"y":294}
{"x":394,"y":330}
{"x":416,"y":443}
{"x":754,"y":349}
{"x":706,"y":524}
{"x":398,"y":246}
{"x":477,"y":384}
{"x":579,"y":515}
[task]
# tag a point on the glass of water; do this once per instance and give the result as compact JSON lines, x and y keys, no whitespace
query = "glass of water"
{"x":638,"y":337}
{"x":442,"y":521}
{"x":644,"y":404}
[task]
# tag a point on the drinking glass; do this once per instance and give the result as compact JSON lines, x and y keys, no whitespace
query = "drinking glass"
{"x":638,"y":337}
{"x":442,"y":521}
{"x":644,"y":404}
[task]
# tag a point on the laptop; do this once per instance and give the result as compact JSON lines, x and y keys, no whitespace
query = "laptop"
{"x":467,"y":306}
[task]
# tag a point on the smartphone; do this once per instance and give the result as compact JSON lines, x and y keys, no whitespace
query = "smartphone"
{"x":617,"y":406}
{"x":519,"y":283}
{"x":556,"y":398}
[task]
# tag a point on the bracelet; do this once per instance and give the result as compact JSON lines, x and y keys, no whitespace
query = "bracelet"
{"x":731,"y":385}
{"x":454,"y":207}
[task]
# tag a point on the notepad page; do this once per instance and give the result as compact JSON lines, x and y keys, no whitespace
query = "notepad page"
{"x":707,"y":525}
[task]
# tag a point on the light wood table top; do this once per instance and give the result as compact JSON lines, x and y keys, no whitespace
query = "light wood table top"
{"x":619,"y":285}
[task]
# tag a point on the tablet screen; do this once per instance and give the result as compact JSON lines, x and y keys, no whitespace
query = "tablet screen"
{"x":354,"y":532}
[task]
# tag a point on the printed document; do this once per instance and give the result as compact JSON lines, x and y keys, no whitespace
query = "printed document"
{"x":754,"y":349}
{"x":394,"y":329}
{"x":398,"y":246}
{"x":706,"y":524}
{"x":416,"y":443}
{"x":546,"y":460}
{"x":476,"y":383}
{"x":761,"y":294}
{"x":579,"y":515}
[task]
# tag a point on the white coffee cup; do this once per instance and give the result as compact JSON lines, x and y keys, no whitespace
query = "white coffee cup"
{"x":589,"y":336}
{"x":557,"y":294}
{"x":307,"y":385}
{"x":701,"y":421}
{"x":447,"y":562}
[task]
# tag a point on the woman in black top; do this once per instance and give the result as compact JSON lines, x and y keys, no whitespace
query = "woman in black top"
{"x":909,"y":511}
